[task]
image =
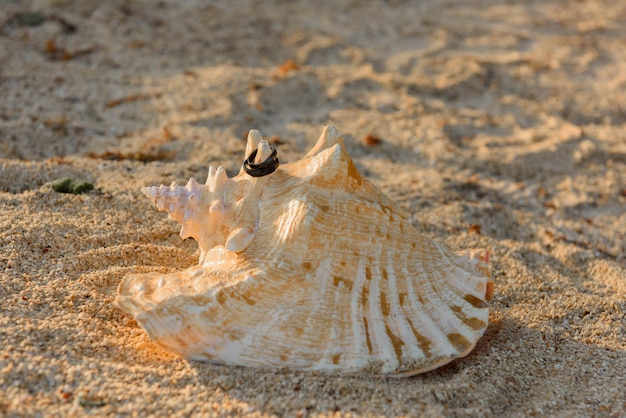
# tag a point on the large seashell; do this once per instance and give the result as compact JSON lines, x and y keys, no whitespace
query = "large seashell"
{"x":309,"y":267}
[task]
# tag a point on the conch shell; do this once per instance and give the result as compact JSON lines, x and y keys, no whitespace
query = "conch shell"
{"x":309,"y":267}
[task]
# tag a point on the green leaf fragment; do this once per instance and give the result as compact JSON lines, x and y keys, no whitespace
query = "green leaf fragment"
{"x":63,"y":185}
{"x":67,"y":185}
{"x":82,"y":187}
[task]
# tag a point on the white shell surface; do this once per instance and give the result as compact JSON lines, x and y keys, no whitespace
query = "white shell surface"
{"x":310,"y":267}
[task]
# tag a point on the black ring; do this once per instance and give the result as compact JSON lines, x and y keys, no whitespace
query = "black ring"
{"x":261,"y":169}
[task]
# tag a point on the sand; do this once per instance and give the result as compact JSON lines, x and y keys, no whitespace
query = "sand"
{"x":501,"y":126}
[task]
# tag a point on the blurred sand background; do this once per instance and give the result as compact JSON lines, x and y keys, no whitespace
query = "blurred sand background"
{"x":494,"y":124}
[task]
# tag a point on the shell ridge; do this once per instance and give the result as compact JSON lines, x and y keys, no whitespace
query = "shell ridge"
{"x":458,"y":332}
{"x":461,"y":294}
{"x":381,"y":340}
{"x":322,"y":289}
{"x":431,"y":336}
{"x":454,"y":296}
{"x":332,"y":351}
{"x":329,"y":137}
{"x":359,"y":344}
{"x":399,"y":321}
{"x":438,"y":309}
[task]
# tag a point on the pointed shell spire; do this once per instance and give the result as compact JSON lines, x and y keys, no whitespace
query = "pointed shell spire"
{"x":216,"y":180}
{"x":264,"y":150}
{"x":329,"y":137}
{"x":252,"y":143}
{"x":176,"y":200}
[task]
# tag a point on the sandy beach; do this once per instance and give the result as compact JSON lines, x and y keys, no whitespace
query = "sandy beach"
{"x":494,"y":124}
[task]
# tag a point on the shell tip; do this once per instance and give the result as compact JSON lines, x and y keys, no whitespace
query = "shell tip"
{"x":264,"y":151}
{"x":254,"y":137}
{"x":216,"y":180}
{"x":150,"y":192}
{"x":329,"y":137}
